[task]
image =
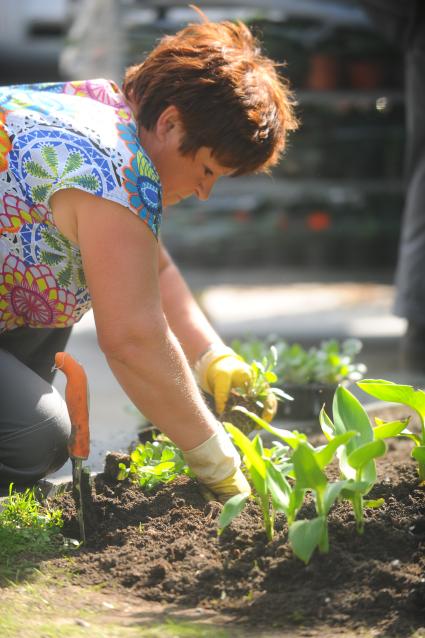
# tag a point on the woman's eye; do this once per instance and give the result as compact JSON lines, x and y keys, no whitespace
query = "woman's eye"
{"x":208,"y":172}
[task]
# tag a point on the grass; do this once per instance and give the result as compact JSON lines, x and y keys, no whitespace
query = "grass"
{"x":28,"y":531}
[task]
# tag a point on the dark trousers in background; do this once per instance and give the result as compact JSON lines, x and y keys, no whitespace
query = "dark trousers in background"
{"x":34,"y":422}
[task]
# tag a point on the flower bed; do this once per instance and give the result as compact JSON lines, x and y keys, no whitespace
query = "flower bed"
{"x":163,"y":546}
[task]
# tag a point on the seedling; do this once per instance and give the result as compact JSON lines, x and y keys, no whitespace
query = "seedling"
{"x":409,"y":396}
{"x":306,"y":535}
{"x":273,"y":490}
{"x":154,"y":462}
{"x":281,"y":476}
{"x":330,"y":363}
{"x":357,"y":456}
{"x":253,"y":397}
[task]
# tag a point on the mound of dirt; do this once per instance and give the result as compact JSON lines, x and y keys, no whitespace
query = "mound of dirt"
{"x":163,"y":546}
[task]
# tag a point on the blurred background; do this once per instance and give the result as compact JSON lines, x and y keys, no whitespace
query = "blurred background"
{"x":306,"y":253}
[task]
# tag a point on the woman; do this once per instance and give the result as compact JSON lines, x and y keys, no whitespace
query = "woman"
{"x":85,"y":171}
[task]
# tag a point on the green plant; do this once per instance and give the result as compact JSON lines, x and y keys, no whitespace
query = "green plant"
{"x":406,"y":395}
{"x":254,"y":395}
{"x":273,"y":491}
{"x":26,"y":525}
{"x":281,"y":476}
{"x":332,"y":362}
{"x":305,"y":535}
{"x":159,"y":461}
{"x":357,"y":456}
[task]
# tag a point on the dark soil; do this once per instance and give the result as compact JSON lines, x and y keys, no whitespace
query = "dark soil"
{"x":163,"y":546}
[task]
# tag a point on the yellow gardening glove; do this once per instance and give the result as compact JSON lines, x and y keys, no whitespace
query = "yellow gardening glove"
{"x":219,"y":370}
{"x":216,"y":464}
{"x":234,"y":484}
{"x":270,"y":407}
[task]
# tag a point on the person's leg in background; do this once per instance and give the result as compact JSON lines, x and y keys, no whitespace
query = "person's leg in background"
{"x":410,"y":276}
{"x":34,"y":422}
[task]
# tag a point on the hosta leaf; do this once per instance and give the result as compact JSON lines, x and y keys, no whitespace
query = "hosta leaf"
{"x":231,"y":509}
{"x":247,"y":449}
{"x":386,"y":429}
{"x":418,"y":453}
{"x":307,"y":471}
{"x":365,"y":453}
{"x":36,"y":170}
{"x":326,"y":424}
{"x":413,"y":437}
{"x":333,"y":490}
{"x":325,"y":454}
{"x":394,"y":392}
{"x":279,"y":488}
{"x":305,"y":536}
{"x":292,"y":438}
{"x":349,"y":414}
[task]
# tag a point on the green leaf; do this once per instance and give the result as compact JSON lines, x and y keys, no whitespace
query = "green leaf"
{"x":365,"y":453}
{"x":231,"y":509}
{"x":50,"y":156}
{"x":90,"y":182}
{"x":74,"y":161}
{"x":325,"y":454}
{"x":386,"y":429}
{"x":292,"y":438}
{"x":418,"y":453}
{"x":305,"y":536}
{"x":349,"y":414}
{"x":413,"y":437}
{"x":326,"y":424}
{"x":307,"y":470}
{"x":394,"y":392}
{"x":36,"y":170}
{"x":280,"y":393}
{"x":247,"y":449}
{"x":270,"y":376}
{"x":332,"y":491}
{"x":374,"y":503}
{"x":279,"y":488}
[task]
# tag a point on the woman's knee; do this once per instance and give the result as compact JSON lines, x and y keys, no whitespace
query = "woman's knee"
{"x":34,"y":428}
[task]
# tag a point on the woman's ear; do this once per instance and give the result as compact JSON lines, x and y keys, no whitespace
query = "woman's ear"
{"x":169,"y":124}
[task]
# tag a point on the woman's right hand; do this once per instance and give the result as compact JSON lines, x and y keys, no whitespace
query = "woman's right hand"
{"x":216,"y":464}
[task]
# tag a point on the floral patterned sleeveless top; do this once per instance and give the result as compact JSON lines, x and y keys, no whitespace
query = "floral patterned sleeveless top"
{"x":55,"y":136}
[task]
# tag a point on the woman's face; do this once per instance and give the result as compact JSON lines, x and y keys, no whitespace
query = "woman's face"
{"x":181,"y":175}
{"x":186,"y":175}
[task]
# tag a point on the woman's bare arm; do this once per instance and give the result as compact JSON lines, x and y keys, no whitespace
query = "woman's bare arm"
{"x":183,"y":313}
{"x":120,"y":259}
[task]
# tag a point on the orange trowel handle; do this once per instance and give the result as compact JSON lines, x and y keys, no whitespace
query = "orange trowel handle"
{"x":76,"y":397}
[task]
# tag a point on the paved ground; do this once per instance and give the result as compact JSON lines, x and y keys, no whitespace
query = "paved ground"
{"x":296,"y":306}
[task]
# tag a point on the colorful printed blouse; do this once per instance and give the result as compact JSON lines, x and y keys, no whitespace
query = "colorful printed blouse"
{"x":55,"y":136}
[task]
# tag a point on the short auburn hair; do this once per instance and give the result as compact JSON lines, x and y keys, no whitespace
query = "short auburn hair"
{"x":229,"y":95}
